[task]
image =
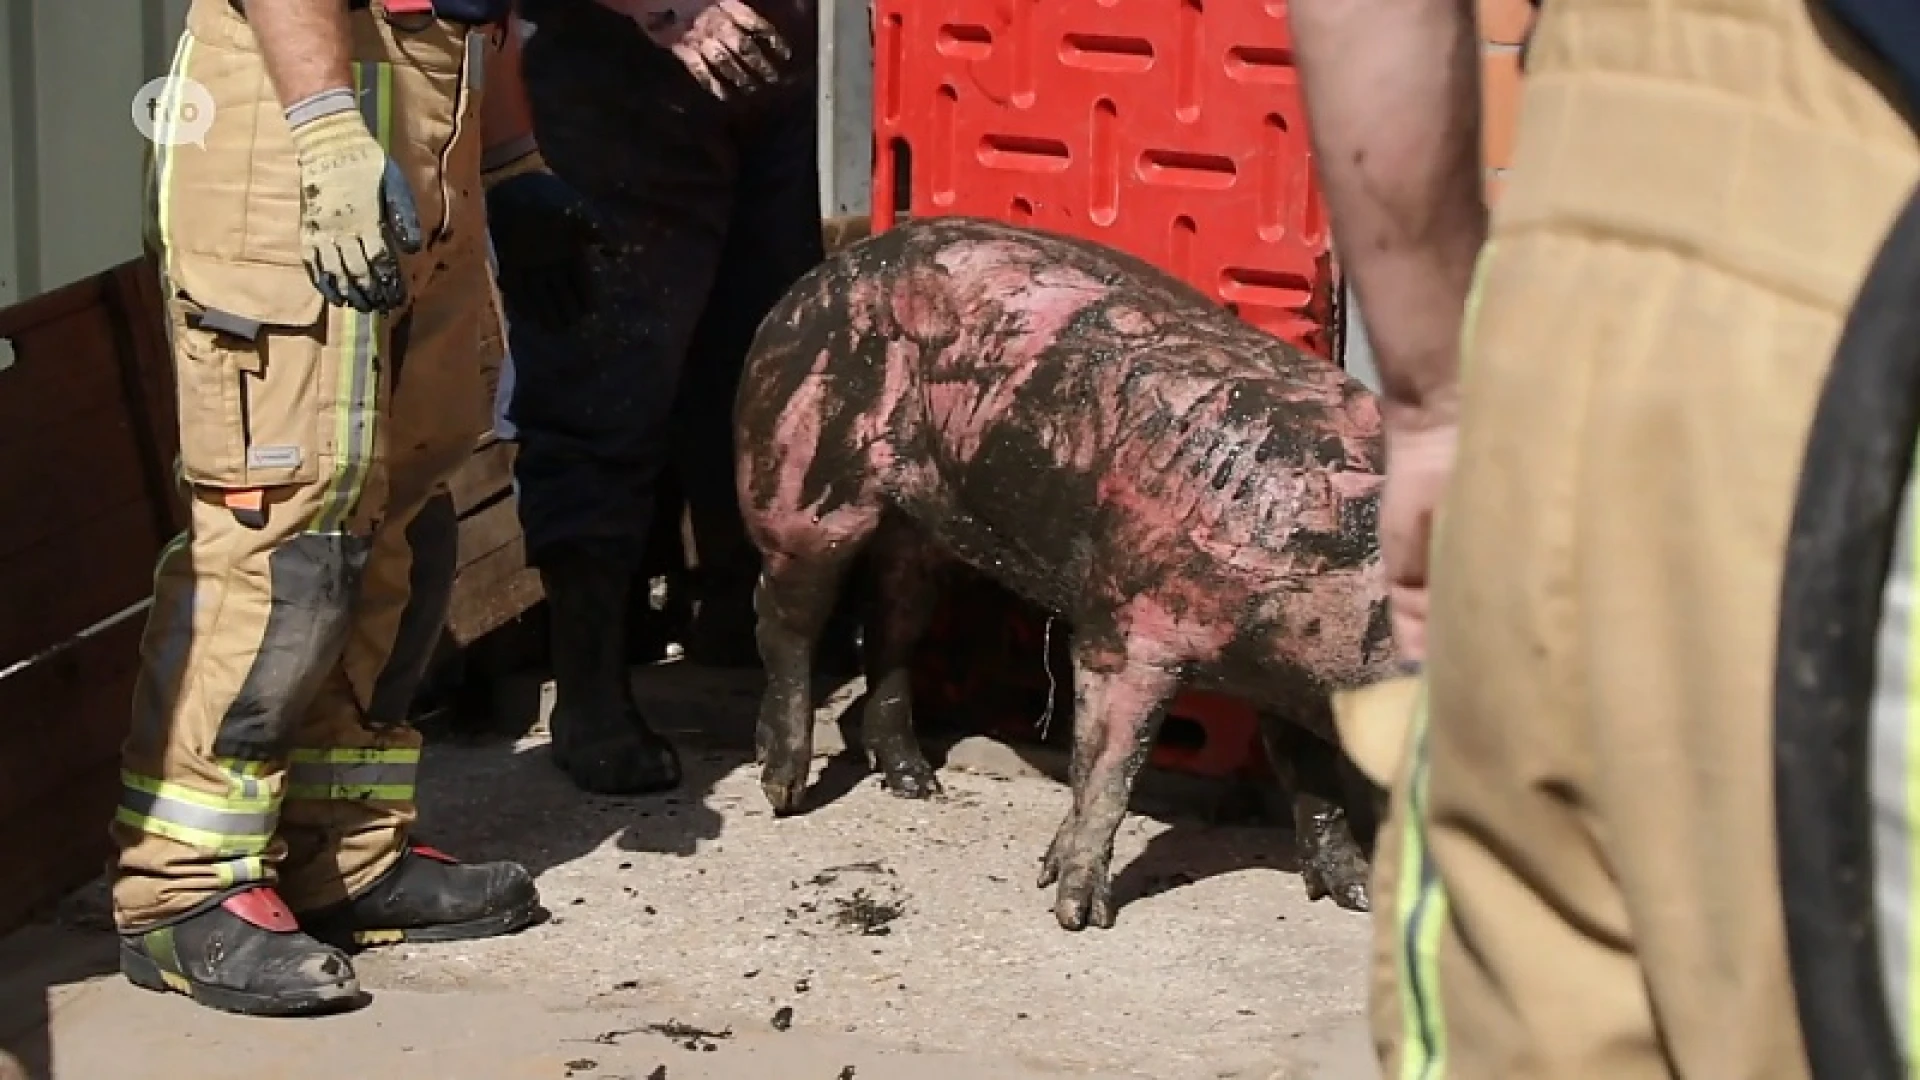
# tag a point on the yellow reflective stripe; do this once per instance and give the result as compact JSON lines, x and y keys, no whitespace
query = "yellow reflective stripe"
{"x":1470,"y":316}
{"x":218,"y":843}
{"x":1420,"y":913}
{"x":240,"y":871}
{"x":347,"y":791}
{"x":233,"y":803}
{"x":357,"y":774}
{"x":356,"y":401}
{"x":163,"y":137}
{"x":357,"y":756}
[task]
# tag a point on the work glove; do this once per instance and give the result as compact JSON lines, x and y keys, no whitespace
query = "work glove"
{"x":356,"y":212}
{"x":726,"y":46}
{"x":541,"y":229}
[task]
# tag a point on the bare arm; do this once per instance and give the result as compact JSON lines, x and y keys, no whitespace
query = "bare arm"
{"x":1393,"y":99}
{"x":506,"y":122}
{"x":306,"y":46}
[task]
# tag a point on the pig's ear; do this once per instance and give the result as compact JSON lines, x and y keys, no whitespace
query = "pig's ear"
{"x":1374,"y":722}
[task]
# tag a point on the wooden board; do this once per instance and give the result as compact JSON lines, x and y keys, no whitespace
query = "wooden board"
{"x":485,"y":477}
{"x":58,"y":843}
{"x":64,"y":715}
{"x":86,"y":489}
{"x":494,"y":585}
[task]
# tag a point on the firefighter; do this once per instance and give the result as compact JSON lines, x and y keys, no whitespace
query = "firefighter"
{"x":327,"y":292}
{"x":1578,"y":877}
{"x":689,"y":124}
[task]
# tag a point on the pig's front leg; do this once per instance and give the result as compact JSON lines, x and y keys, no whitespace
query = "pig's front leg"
{"x":1332,"y":862}
{"x":899,"y":607}
{"x":1119,"y":701}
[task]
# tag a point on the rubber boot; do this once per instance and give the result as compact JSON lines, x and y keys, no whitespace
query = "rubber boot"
{"x":721,"y":633}
{"x":599,"y":737}
{"x":429,"y":896}
{"x":245,"y":954}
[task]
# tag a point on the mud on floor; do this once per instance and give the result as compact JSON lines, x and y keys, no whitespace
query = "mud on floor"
{"x":913,"y":922}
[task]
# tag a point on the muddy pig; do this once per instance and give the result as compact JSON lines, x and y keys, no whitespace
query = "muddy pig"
{"x":1194,"y":497}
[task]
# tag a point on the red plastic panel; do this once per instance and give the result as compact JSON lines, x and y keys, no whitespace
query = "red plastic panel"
{"x":1170,"y":129}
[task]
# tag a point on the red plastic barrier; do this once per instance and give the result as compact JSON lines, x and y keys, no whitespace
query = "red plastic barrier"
{"x":1168,"y":129}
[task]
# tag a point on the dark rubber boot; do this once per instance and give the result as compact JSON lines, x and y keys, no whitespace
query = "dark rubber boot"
{"x":245,"y":955}
{"x":428,"y":896}
{"x":721,"y":633}
{"x":599,"y":737}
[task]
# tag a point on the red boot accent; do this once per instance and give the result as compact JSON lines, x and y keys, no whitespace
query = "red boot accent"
{"x":434,"y":853}
{"x":263,"y":908}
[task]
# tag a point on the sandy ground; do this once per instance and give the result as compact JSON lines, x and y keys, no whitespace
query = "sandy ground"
{"x":695,"y":936}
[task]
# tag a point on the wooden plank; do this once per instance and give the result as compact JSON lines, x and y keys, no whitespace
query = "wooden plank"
{"x":489,"y":530}
{"x":838,"y":232}
{"x":17,"y":318}
{"x":56,"y":479}
{"x":486,"y":474}
{"x":63,"y":364}
{"x":58,"y":843}
{"x":64,"y":713}
{"x":68,"y":582}
{"x":146,"y":385}
{"x":491,"y":591}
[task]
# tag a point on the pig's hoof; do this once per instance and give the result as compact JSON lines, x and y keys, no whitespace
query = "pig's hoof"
{"x":1347,"y":887}
{"x":1054,"y":860}
{"x":784,"y":783}
{"x":1085,"y":899}
{"x":910,"y":779}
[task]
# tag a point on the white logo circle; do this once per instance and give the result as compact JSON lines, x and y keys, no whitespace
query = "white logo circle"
{"x":173,"y":111}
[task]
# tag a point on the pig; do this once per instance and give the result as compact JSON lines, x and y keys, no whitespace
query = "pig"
{"x":1195,"y":498}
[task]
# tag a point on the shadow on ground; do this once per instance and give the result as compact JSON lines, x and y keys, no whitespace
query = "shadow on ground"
{"x":35,"y":965}
{"x":513,"y":803}
{"x":497,"y":795}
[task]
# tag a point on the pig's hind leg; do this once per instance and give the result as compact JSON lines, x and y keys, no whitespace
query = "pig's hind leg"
{"x":1119,"y":702}
{"x":900,"y":604}
{"x":794,"y":599}
{"x":1333,"y":855}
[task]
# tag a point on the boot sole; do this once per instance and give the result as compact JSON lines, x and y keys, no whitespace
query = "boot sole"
{"x":142,"y":972}
{"x":498,"y":924}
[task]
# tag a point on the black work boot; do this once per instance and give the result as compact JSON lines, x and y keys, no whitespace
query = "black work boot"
{"x":429,"y":896}
{"x":721,"y":633}
{"x":245,"y":954}
{"x":599,"y":737}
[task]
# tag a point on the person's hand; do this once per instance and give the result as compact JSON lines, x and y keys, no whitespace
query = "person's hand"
{"x":1419,"y":464}
{"x":542,"y":229}
{"x":356,"y":212}
{"x":726,"y":46}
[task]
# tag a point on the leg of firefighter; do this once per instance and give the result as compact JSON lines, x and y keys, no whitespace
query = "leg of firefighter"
{"x":252,"y":608}
{"x":773,"y":239}
{"x":621,"y":121}
{"x":1582,"y":880}
{"x":350,"y":871}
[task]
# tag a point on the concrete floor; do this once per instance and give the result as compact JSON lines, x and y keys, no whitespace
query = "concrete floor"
{"x":901,"y":940}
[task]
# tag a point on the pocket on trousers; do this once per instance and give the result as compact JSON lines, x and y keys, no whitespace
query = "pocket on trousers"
{"x":248,"y":388}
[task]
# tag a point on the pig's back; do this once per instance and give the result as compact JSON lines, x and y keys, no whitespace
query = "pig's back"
{"x":1069,"y":399}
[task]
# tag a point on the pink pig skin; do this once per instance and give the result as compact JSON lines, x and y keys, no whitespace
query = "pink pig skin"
{"x":1196,"y":498}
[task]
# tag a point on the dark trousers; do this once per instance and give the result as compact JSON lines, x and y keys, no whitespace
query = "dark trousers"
{"x":712,"y":211}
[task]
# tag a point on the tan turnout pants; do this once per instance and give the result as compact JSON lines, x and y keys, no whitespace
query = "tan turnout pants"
{"x":292,"y":620}
{"x":1578,"y":877}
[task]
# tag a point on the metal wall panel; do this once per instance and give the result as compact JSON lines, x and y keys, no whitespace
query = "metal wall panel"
{"x":846,"y":107}
{"x":70,"y":158}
